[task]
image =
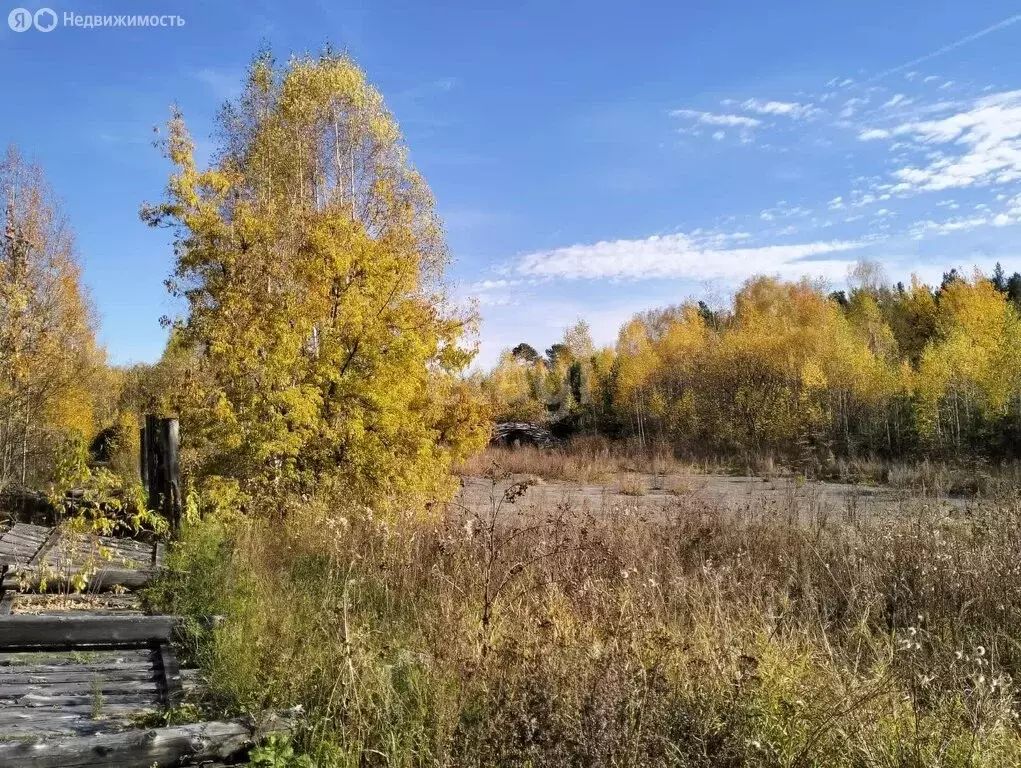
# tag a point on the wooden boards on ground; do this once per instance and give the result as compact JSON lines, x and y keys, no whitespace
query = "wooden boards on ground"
{"x":176,"y":745}
{"x":59,"y":557}
{"x":30,"y":632}
{"x":55,"y":693}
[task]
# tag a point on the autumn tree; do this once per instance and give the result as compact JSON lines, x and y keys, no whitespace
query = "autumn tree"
{"x":312,"y":260}
{"x":49,"y":360}
{"x":969,"y":376}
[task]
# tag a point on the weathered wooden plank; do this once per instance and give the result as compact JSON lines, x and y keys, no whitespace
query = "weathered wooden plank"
{"x":27,"y":631}
{"x":15,"y":721}
{"x":35,"y":699}
{"x":81,"y":687}
{"x":20,"y":552}
{"x":103,"y":579}
{"x":19,"y":659}
{"x":130,"y":545}
{"x":15,"y":540}
{"x":79,"y":675}
{"x":159,"y":553}
{"x":84,"y":612}
{"x":87,"y":709}
{"x":26,"y":539}
{"x":30,"y":529}
{"x":7,"y":602}
{"x":170,"y":672}
{"x":205,"y":742}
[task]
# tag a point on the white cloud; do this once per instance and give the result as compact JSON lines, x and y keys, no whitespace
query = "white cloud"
{"x":491,"y":285}
{"x":719,"y":135}
{"x":493,"y":292}
{"x":683,"y":256}
{"x":711,"y":118}
{"x":895,"y":100}
{"x":872,"y":134}
{"x":979,"y":146}
{"x":791,"y":109}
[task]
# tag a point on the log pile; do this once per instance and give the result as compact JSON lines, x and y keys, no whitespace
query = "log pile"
{"x":516,"y":433}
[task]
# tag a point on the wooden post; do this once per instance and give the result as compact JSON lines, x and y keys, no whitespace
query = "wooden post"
{"x":160,"y":467}
{"x":170,"y":444}
{"x":143,"y":458}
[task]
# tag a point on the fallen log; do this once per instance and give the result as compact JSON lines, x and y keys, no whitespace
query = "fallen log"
{"x":30,"y":632}
{"x":171,"y":746}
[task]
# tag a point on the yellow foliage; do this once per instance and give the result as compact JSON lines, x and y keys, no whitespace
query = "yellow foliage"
{"x":50,"y":365}
{"x":320,"y":348}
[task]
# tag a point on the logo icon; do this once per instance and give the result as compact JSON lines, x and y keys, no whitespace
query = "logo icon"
{"x":20,"y":20}
{"x":45,"y":19}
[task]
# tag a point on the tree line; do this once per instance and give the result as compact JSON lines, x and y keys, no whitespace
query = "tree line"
{"x":793,"y":370}
{"x":318,"y":350}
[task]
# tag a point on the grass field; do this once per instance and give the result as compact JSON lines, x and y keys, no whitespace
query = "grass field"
{"x":526,"y":631}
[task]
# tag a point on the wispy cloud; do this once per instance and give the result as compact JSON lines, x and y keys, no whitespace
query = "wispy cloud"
{"x":427,"y":89}
{"x":790,"y":109}
{"x":683,"y":256}
{"x":494,"y":293}
{"x":712,"y":118}
{"x":978,"y":146}
{"x":1009,"y":21}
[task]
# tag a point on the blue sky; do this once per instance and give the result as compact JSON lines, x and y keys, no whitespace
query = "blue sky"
{"x":589,"y":159}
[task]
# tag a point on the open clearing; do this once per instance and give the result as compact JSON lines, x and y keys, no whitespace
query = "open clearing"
{"x":745,"y":497}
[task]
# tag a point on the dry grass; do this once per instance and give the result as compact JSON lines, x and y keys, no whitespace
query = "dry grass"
{"x":560,"y":639}
{"x":583,"y":460}
{"x":631,"y":485}
{"x":596,"y":460}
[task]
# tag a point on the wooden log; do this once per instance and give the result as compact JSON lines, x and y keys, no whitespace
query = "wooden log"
{"x":151,"y":473}
{"x":159,"y":553}
{"x":28,"y":631}
{"x":105,"y":578}
{"x":24,"y":724}
{"x":143,"y":457}
{"x":199,"y":742}
{"x":139,"y":699}
{"x":87,"y":709}
{"x":170,"y":675}
{"x":80,"y":688}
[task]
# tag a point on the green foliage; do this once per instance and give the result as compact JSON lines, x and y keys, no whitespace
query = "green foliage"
{"x":97,"y":500}
{"x":278,"y":752}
